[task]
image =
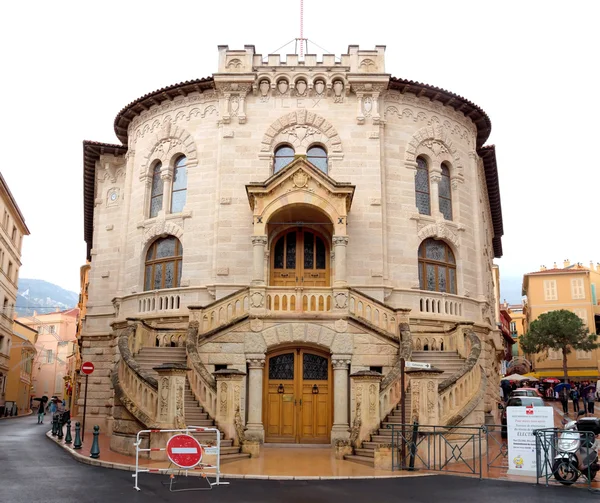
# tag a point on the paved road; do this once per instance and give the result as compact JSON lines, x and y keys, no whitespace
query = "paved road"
{"x":34,"y":469}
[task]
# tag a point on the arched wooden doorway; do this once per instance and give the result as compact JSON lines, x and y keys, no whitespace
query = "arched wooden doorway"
{"x":298,"y":396}
{"x":300,"y":257}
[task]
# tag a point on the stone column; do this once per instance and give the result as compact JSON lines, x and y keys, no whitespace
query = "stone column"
{"x":424,"y":396}
{"x":341,"y":427}
{"x":229,"y":394}
{"x":365,"y":386}
{"x":435,"y":177}
{"x":255,"y":432}
{"x":166,"y":175}
{"x":258,"y":259}
{"x":339,"y":246}
{"x":170,"y":412}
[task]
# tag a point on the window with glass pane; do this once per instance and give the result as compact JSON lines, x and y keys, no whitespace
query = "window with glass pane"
{"x":309,"y":250}
{"x":179,"y":190}
{"x":445,"y":197}
{"x":283,"y":156}
{"x":156,"y":196}
{"x":163,"y":264}
{"x":318,"y":157}
{"x":314,"y":367}
{"x":422,"y":187}
{"x":281,"y":367}
{"x":437,"y":267}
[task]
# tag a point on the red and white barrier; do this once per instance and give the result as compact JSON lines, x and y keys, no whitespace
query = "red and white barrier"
{"x":186,"y":453}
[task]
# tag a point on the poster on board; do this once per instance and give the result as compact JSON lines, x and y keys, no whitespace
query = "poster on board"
{"x":521,"y":423}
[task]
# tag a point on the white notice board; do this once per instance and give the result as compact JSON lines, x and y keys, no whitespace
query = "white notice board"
{"x":521,"y":423}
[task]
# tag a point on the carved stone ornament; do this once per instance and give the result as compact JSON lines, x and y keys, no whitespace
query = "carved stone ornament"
{"x":264,"y":88}
{"x":437,"y":147}
{"x":257,"y":299}
{"x":223,"y":399}
{"x":282,"y":86}
{"x":341,"y":300}
{"x":340,"y":326}
{"x":367,"y":106}
{"x":256,"y":325}
{"x":340,"y":364}
{"x":319,"y":87}
{"x":301,"y":87}
{"x":338,"y":91}
{"x":234,"y":106}
{"x":373,"y":399}
{"x":300,"y":179}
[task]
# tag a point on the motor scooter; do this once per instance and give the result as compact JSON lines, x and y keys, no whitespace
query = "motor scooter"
{"x":577,"y":450}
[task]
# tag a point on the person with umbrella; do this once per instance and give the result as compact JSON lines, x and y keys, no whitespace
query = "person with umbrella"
{"x":41,"y":412}
{"x":563,"y":396}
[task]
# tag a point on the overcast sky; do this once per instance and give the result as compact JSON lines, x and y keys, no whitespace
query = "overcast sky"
{"x":69,"y":67}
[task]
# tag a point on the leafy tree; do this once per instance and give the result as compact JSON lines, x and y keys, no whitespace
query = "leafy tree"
{"x":558,"y":330}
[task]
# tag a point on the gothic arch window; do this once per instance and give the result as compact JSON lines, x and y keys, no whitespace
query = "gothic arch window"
{"x":437,"y":267}
{"x":163,"y":264}
{"x":179,"y":186}
{"x":156,"y":196}
{"x":445,"y":196}
{"x":317,"y":156}
{"x":422,"y":187}
{"x":284,"y":154}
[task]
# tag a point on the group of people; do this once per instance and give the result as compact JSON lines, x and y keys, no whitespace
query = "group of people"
{"x":584,"y":391}
{"x":53,"y":407}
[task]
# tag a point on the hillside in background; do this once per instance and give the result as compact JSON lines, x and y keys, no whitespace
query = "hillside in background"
{"x":43,"y":297}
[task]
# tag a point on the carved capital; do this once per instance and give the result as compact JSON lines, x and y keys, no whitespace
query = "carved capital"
{"x":256,"y":363}
{"x":259,"y":240}
{"x":341,"y":363}
{"x":340,"y":240}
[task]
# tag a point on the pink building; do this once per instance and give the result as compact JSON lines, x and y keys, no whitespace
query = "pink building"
{"x":55,"y":345}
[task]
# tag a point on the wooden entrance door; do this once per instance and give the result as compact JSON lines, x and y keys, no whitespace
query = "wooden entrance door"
{"x":298,"y":397}
{"x":300,"y":257}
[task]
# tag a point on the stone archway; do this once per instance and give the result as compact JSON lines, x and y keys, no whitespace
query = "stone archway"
{"x":436,"y":143}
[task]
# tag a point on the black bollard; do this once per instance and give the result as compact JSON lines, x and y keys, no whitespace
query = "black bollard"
{"x":95,"y":450}
{"x":68,"y":438}
{"x":59,"y":430}
{"x":77,"y":443}
{"x":54,"y":425}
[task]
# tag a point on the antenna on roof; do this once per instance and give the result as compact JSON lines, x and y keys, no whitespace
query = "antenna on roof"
{"x":302,"y":40}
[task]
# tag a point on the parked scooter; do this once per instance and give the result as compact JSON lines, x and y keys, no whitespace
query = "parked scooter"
{"x":577,"y":450}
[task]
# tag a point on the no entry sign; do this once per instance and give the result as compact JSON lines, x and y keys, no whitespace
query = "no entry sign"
{"x":87,"y":368}
{"x":184,"y":451}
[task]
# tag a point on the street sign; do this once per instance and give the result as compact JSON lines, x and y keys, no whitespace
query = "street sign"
{"x":184,"y":451}
{"x":417,"y":365}
{"x":87,"y":368}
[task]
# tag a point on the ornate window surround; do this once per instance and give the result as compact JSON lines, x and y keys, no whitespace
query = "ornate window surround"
{"x":447,"y":264}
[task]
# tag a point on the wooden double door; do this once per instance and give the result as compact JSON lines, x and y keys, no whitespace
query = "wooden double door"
{"x":300,"y":257}
{"x":298,"y":397}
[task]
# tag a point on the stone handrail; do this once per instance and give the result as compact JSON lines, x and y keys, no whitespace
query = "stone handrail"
{"x":374,"y":312}
{"x":221,"y":312}
{"x":136,"y":389}
{"x":299,"y":300}
{"x":460,"y":393}
{"x":390,"y":389}
{"x":202,"y":383}
{"x":444,"y":340}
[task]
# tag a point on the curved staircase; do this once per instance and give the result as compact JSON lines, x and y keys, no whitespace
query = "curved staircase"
{"x":195,"y":415}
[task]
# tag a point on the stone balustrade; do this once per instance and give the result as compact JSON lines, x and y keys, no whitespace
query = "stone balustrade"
{"x":139,"y":394}
{"x":451,"y":340}
{"x":299,"y":300}
{"x":202,"y":383}
{"x":373,"y":311}
{"x":221,"y":312}
{"x":454,"y":399}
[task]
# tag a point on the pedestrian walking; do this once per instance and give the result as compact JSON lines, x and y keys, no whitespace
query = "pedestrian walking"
{"x":563,"y":396}
{"x":41,"y":412}
{"x":575,"y":399}
{"x":591,"y":398}
{"x":52,"y":409}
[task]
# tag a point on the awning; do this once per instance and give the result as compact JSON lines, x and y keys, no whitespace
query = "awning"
{"x":559,"y":374}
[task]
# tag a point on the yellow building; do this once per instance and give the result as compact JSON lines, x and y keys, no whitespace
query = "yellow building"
{"x":19,"y":377}
{"x":574,"y":288}
{"x":74,"y":363}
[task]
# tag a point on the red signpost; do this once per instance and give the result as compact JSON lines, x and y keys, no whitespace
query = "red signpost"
{"x":87,"y":368}
{"x":184,"y":451}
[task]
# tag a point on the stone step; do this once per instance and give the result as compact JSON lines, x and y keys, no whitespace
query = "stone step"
{"x":229,"y":450}
{"x":363,"y":460}
{"x":369,"y":445}
{"x":227,"y":458}
{"x":384,"y":432}
{"x":199,"y":422}
{"x":365,"y":452}
{"x":192,"y":414}
{"x":382,"y":439}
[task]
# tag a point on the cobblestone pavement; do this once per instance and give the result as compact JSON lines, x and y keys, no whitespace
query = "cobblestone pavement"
{"x":33,"y":469}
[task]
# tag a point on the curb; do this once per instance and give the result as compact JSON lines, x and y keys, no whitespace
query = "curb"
{"x":17,"y":417}
{"x":130,"y":468}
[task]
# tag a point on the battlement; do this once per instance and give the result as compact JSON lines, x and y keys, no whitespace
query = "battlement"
{"x":355,"y":61}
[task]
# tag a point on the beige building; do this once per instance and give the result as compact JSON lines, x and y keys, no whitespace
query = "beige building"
{"x":19,"y":380}
{"x":55,"y":345}
{"x":12,"y":230}
{"x":288,"y":229}
{"x":573,"y":287}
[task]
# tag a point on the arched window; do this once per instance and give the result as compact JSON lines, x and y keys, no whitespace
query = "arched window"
{"x":163,"y":264}
{"x":156,"y":197}
{"x":437,"y":267}
{"x":179,"y":187}
{"x":283,"y":156}
{"x":422,"y":187}
{"x":445,"y":197}
{"x":317,"y":156}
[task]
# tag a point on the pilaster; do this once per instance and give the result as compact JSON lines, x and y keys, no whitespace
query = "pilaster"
{"x":365,"y":389}
{"x":229,"y":395}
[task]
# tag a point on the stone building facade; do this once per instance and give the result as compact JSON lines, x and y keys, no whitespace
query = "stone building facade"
{"x":289,"y":229}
